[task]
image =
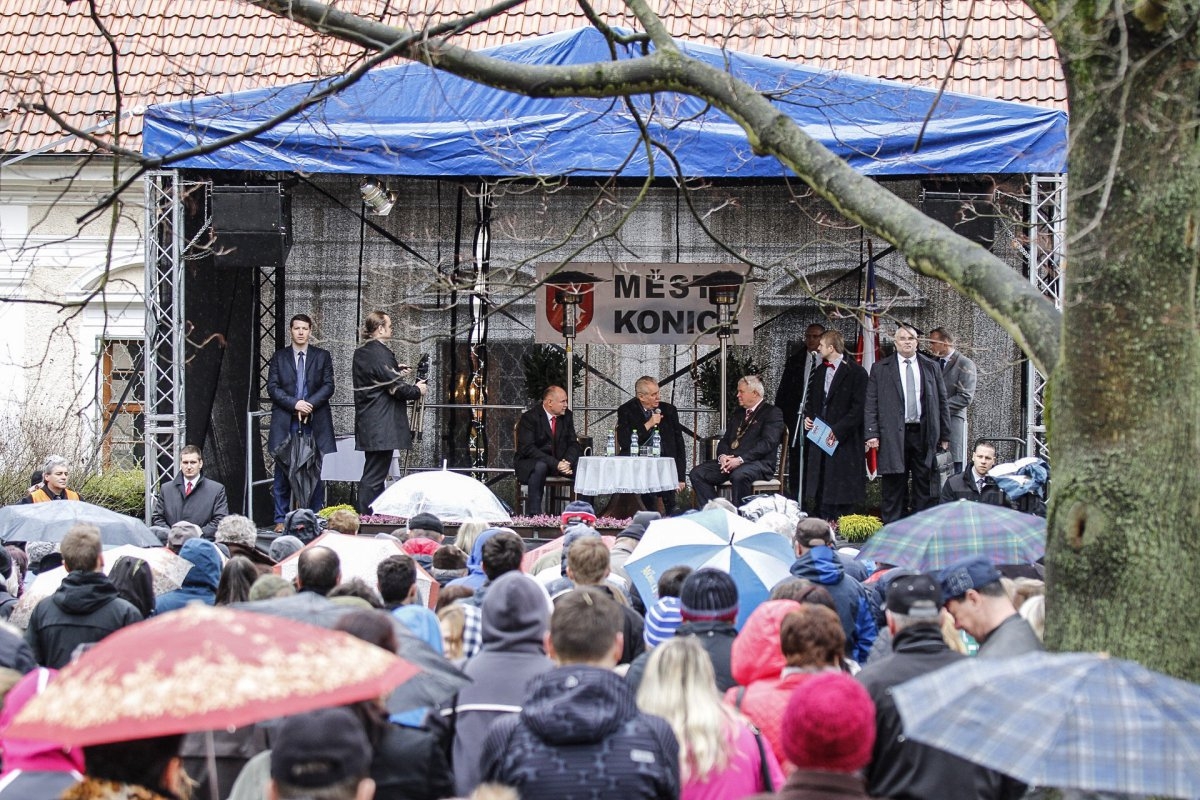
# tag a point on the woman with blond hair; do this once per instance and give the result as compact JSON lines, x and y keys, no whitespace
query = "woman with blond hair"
{"x":721,"y":757}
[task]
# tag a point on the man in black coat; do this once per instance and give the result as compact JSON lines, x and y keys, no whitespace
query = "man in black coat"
{"x":380,"y":406}
{"x":974,"y":484}
{"x":300,"y":384}
{"x":836,"y":484}
{"x":792,"y":397}
{"x":749,"y":449}
{"x":908,"y":420}
{"x":546,"y":445}
{"x":900,"y":766}
{"x":645,"y":414}
{"x":84,"y":609}
{"x":191,"y":497}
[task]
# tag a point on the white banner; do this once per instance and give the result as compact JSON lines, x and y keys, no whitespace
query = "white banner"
{"x":641,"y":303}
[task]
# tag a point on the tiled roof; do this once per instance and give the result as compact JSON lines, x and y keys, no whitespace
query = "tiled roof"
{"x":171,"y":50}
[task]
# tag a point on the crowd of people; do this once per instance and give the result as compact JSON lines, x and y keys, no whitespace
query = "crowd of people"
{"x":575,"y":685}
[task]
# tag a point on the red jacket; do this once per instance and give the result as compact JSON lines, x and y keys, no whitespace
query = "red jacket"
{"x":757,"y":661}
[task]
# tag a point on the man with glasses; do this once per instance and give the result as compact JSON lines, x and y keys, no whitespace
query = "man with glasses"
{"x":644,"y":414}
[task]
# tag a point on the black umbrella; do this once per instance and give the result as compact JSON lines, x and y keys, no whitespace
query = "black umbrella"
{"x":49,"y":522}
{"x":438,"y":680}
{"x":302,"y":460}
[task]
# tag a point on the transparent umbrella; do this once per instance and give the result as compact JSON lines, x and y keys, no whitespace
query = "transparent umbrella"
{"x":449,"y":496}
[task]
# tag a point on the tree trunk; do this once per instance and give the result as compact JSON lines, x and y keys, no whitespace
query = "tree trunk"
{"x":1125,"y":396}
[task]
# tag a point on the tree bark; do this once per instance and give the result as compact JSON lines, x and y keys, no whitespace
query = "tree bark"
{"x":1125,"y":397}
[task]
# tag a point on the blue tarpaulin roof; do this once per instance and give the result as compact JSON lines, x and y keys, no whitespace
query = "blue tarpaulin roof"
{"x":413,"y":120}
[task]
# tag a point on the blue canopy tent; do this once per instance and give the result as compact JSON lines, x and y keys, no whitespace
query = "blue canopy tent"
{"x":413,"y":120}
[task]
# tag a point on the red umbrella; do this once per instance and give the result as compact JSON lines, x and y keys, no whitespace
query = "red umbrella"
{"x":205,"y":668}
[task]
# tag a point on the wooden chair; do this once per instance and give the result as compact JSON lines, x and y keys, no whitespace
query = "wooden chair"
{"x":771,"y":485}
{"x":557,"y":492}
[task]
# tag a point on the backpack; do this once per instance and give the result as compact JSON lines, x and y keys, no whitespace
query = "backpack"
{"x":303,"y":524}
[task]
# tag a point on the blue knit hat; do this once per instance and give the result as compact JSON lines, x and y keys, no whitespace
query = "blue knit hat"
{"x":662,"y":620}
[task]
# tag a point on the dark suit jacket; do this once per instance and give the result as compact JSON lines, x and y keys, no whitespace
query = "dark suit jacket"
{"x":790,"y":395}
{"x":884,"y":415}
{"x":845,"y":472}
{"x":206,"y":506}
{"x":630,"y":417}
{"x":962,"y":487}
{"x":380,"y":399}
{"x":960,"y":377}
{"x":760,"y":439}
{"x":281,"y":386}
{"x":534,"y":443}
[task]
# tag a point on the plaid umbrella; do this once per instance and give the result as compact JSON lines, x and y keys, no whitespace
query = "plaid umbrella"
{"x":939,"y":536}
{"x":1070,"y":721}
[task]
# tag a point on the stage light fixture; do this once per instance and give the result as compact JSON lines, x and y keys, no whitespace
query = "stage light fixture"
{"x":378,"y":199}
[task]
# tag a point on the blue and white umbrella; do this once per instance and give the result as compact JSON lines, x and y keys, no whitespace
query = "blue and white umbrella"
{"x":756,"y":559}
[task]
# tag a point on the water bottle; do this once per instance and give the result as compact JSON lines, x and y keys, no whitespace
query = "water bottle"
{"x":610,"y":444}
{"x":633,"y":443}
{"x":656,"y":444}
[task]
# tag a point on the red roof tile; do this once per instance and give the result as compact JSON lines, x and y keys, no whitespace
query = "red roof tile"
{"x":170,"y":50}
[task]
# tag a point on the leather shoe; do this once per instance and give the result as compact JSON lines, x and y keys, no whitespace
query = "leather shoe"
{"x":279,"y":527}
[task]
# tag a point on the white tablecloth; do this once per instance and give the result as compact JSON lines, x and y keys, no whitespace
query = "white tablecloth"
{"x":624,"y":475}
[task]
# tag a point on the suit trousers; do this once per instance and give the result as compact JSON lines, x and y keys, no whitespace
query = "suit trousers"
{"x":375,"y":470}
{"x":898,"y":499}
{"x":707,"y":475}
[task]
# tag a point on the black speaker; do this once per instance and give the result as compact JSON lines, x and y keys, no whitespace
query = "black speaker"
{"x":974,"y":218}
{"x":252,"y":226}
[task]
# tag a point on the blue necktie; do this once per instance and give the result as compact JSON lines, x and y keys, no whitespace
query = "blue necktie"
{"x":301,"y":379}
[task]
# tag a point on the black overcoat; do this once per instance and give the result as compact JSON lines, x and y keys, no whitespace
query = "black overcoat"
{"x":380,"y":399}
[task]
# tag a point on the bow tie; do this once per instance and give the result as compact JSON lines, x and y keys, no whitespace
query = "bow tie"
{"x":830,"y":364}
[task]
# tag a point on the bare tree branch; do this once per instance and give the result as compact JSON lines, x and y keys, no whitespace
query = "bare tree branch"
{"x":930,"y":248}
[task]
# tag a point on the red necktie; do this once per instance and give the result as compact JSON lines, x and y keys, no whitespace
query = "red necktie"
{"x":553,"y":426}
{"x":188,"y":489}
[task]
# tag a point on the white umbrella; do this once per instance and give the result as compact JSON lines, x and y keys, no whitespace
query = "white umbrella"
{"x":167,"y":568}
{"x":449,"y":496}
{"x":359,"y":557}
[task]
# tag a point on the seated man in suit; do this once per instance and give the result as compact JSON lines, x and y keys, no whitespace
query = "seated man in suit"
{"x":748,"y":450}
{"x":546,"y":445}
{"x":974,"y":483}
{"x":644,"y":413}
{"x":191,"y":497}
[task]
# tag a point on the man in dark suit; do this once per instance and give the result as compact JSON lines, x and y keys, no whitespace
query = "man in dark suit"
{"x":380,"y":406}
{"x":644,"y":414}
{"x":748,"y":451}
{"x":974,"y":484}
{"x":792,"y":397}
{"x":191,"y":497}
{"x":836,"y":484}
{"x":907,"y":419}
{"x":546,"y":445}
{"x":300,"y":385}
{"x":960,"y":376}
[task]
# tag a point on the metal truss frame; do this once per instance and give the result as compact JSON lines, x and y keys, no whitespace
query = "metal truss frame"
{"x":1046,"y":262}
{"x":165,"y":422}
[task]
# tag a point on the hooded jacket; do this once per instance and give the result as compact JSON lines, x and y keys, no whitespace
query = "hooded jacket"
{"x":202,"y":579}
{"x":581,"y":729}
{"x":716,"y":637}
{"x":822,"y":566}
{"x":84,"y":609}
{"x":475,"y":576}
{"x":515,"y":617}
{"x":757,"y":661}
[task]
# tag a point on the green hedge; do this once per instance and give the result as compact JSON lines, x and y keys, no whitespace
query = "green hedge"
{"x":120,"y":490}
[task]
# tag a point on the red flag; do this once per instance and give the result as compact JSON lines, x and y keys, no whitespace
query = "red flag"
{"x":866,"y":352}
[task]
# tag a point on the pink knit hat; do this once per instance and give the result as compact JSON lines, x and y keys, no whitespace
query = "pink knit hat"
{"x":829,"y":724}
